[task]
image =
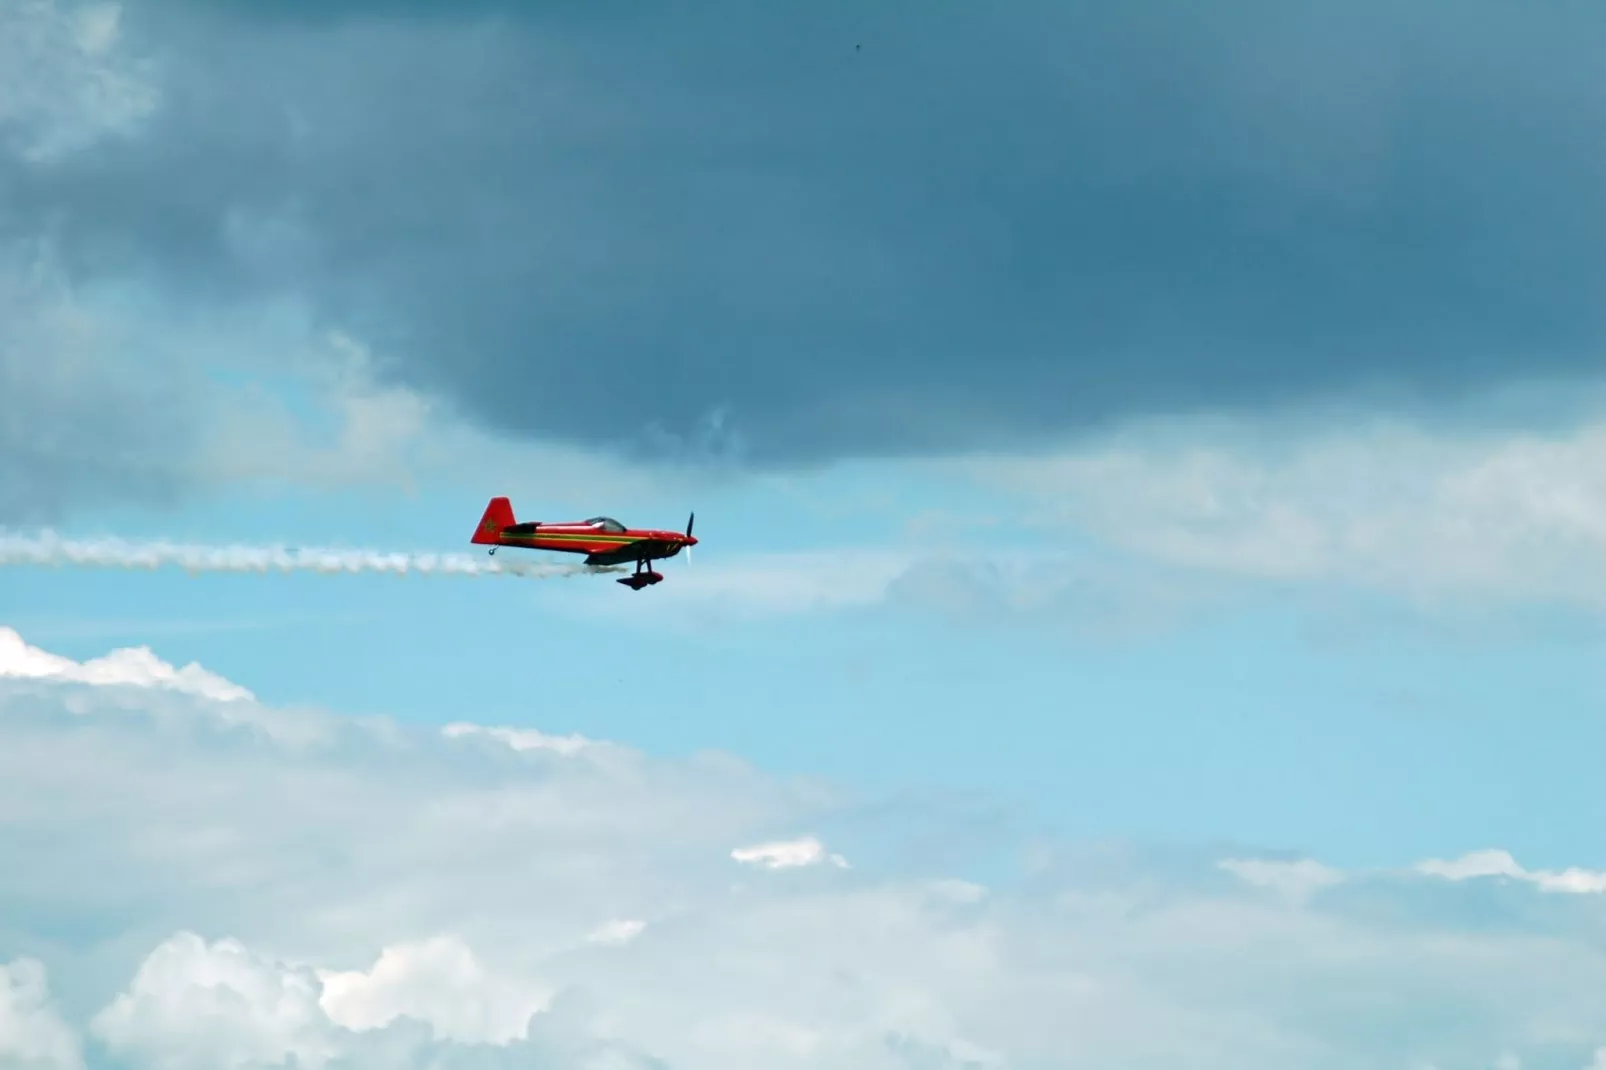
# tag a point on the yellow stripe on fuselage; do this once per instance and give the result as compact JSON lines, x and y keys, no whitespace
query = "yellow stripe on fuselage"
{"x":576,"y":536}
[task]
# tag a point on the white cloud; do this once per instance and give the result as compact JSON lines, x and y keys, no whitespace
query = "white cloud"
{"x":521,"y":738}
{"x":787,"y":854}
{"x":1496,"y":863}
{"x":131,"y":667}
{"x":1301,"y":878}
{"x":1384,"y":506}
{"x":372,"y":895}
{"x":199,"y":1006}
{"x":194,"y":1005}
{"x":32,"y":1033}
{"x":618,"y":932}
{"x":1298,"y":879}
{"x":438,"y":981}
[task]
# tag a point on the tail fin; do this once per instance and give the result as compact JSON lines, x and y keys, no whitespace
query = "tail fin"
{"x":498,"y":515}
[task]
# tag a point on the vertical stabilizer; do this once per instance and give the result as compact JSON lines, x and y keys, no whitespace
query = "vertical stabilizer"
{"x":498,"y":515}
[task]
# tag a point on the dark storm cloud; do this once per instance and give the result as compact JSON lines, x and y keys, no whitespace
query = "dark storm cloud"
{"x":883,"y":228}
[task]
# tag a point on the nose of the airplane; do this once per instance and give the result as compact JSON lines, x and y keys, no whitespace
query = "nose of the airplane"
{"x":689,"y":540}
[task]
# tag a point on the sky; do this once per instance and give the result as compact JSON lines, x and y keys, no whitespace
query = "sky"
{"x":1147,"y":464}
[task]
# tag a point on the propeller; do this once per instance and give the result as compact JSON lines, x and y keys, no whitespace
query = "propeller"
{"x":689,"y":521}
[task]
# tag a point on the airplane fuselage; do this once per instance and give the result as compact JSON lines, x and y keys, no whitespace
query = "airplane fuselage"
{"x":602,"y":539}
{"x":600,"y":547}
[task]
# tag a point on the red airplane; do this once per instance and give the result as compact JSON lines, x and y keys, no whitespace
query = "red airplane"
{"x":602,"y":539}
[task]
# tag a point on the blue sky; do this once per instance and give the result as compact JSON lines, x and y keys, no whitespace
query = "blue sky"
{"x":1147,"y":468}
{"x":1382,"y":734}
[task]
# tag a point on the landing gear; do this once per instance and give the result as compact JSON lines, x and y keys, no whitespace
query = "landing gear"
{"x":639,"y":579}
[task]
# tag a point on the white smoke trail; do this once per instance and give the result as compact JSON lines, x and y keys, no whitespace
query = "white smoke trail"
{"x":51,"y":550}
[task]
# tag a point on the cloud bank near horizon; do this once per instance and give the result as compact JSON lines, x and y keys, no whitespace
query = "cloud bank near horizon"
{"x":203,"y":881}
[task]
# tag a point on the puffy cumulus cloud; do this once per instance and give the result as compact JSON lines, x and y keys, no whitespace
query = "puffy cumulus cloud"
{"x":798,"y":232}
{"x":1434,"y":515}
{"x":438,"y":981}
{"x":194,"y":1004}
{"x":33,"y":1035}
{"x":198,"y":1005}
{"x":131,"y":666}
{"x":375,"y":895}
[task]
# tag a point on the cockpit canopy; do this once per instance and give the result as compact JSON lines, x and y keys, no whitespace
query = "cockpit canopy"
{"x":606,"y":523}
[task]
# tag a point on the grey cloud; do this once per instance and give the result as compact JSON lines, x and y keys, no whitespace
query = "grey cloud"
{"x":79,"y":417}
{"x":883,"y":231}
